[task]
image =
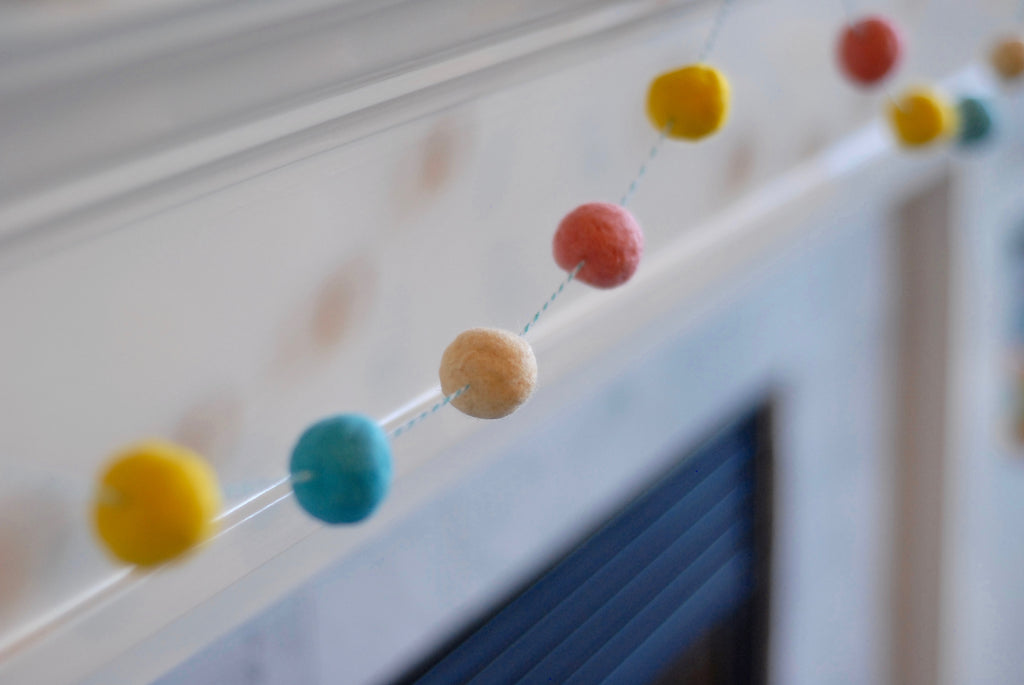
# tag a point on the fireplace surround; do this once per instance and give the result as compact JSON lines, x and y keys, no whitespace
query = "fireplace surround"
{"x":673,"y":588}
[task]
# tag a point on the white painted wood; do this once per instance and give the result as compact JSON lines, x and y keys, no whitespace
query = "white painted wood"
{"x":983,"y":553}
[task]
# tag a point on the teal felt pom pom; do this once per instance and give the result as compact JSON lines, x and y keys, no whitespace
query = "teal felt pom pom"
{"x":341,"y":468}
{"x":975,"y":120}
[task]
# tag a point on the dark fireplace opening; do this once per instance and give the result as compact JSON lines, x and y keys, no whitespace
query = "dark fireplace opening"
{"x":674,"y":588}
{"x":730,"y":653}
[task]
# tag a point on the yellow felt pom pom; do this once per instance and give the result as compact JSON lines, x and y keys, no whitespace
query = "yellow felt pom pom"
{"x":155,"y":501}
{"x":695,"y":99}
{"x":922,"y":116}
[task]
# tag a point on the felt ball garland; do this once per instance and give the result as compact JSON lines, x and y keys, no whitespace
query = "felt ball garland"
{"x":869,"y":49}
{"x":160,"y":500}
{"x":156,"y":501}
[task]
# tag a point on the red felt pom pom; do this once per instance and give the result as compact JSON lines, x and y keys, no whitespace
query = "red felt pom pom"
{"x":869,"y":49}
{"x":606,"y":238}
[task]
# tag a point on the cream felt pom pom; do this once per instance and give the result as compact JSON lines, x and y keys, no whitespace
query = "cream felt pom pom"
{"x":498,"y":366}
{"x":1007,"y":58}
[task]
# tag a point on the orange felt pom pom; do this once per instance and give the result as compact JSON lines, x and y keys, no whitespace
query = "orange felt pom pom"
{"x":869,"y":49}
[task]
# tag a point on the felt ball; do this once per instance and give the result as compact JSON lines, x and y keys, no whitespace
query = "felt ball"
{"x":690,"y":103}
{"x":155,"y":501}
{"x":341,"y":468}
{"x":1007,"y":58}
{"x":922,"y":116}
{"x":606,"y":238}
{"x":498,"y":366}
{"x":975,"y":118}
{"x":869,"y":49}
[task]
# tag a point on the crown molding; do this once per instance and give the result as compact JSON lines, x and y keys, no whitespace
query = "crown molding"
{"x":126,"y":120}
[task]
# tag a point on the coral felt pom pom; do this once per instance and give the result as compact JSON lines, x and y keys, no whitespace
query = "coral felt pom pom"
{"x":1008,"y":58}
{"x":156,"y":501}
{"x":695,"y":99}
{"x":606,"y":238}
{"x":341,"y":468}
{"x":498,"y":366}
{"x":922,"y":116}
{"x":975,"y":120}
{"x":869,"y":50}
